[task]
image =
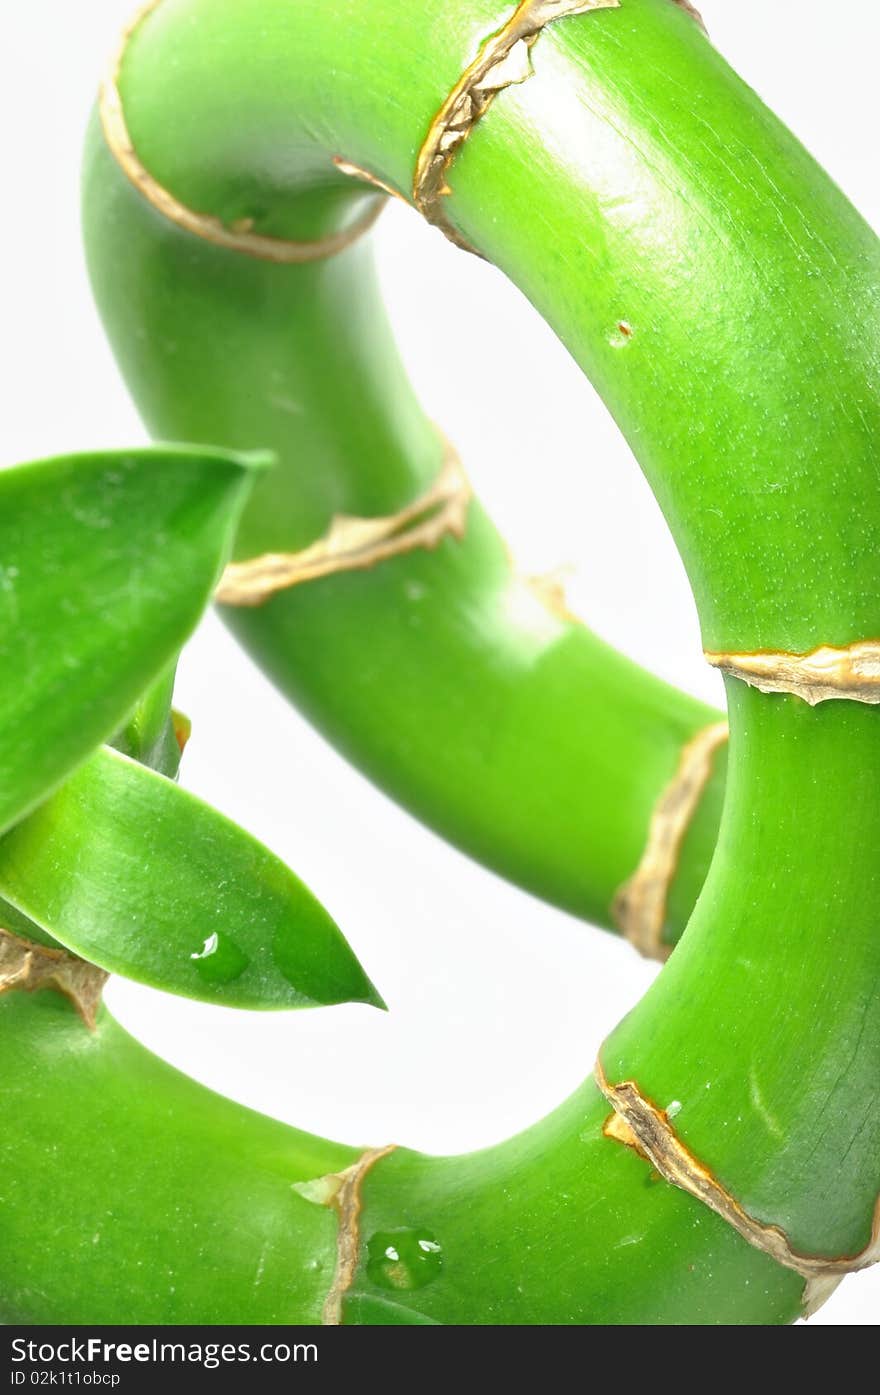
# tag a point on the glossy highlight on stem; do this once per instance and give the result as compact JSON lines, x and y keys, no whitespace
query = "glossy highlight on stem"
{"x":633,"y":181}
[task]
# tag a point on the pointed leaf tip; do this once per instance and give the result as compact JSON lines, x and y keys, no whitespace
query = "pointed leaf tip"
{"x":138,"y":876}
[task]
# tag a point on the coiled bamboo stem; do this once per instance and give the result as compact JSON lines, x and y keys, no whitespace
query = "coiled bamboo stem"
{"x":631,"y":180}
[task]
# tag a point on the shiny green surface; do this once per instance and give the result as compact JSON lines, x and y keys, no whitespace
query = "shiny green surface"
{"x":762,"y":1034}
{"x":168,"y":1204}
{"x":149,"y":734}
{"x":134,"y":874}
{"x":106,"y":562}
{"x":438,"y":674}
{"x":562,"y":1226}
{"x":782,"y":961}
{"x":519,"y":736}
{"x":634,"y":178}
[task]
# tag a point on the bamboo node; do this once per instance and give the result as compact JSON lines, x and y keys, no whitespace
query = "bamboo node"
{"x":549,"y":588}
{"x":30,"y":967}
{"x":638,"y":1124}
{"x":237,"y":237}
{"x":504,"y":60}
{"x":354,"y":171}
{"x":693,"y":12}
{"x":851,"y":672}
{"x":342,"y":1192}
{"x":356,"y":544}
{"x":639,"y":908}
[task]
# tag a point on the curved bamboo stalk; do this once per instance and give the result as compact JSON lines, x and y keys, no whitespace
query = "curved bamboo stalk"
{"x":632,"y":179}
{"x":406,"y":666}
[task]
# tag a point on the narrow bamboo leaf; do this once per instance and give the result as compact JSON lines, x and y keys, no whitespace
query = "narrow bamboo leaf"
{"x":106,"y":563}
{"x":26,"y":929}
{"x":149,"y":736}
{"x":127,"y":869}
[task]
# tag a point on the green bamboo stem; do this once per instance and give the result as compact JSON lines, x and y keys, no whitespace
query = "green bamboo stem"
{"x":169,"y":1204}
{"x":406,"y":668}
{"x":764,"y":1054}
{"x":149,"y":735}
{"x":632,"y":181}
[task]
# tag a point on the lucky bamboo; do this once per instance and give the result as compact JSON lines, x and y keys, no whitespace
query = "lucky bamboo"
{"x":722,"y":295}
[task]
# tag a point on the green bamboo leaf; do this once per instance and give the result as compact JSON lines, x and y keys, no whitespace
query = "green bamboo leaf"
{"x":149,"y":736}
{"x":106,"y":563}
{"x":26,"y":929}
{"x":127,"y":869}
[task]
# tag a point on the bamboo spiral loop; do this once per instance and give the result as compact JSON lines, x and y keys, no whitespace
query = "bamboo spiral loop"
{"x":604,"y":157}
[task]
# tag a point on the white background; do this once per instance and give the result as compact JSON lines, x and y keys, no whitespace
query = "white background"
{"x":497,"y":1002}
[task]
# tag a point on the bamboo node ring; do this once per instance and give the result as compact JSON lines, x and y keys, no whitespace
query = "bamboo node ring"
{"x":694,"y":13}
{"x":356,"y":544}
{"x":851,"y":672}
{"x":235,"y":238}
{"x":504,"y":60}
{"x":342,"y":1192}
{"x":637,"y":1123}
{"x":30,"y":967}
{"x":355,"y":171}
{"x":639,"y":908}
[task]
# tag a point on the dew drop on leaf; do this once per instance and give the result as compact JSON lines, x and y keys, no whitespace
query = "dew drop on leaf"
{"x":220,"y":959}
{"x":403,"y":1259}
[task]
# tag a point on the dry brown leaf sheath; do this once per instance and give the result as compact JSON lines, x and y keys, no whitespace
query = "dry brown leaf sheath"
{"x":30,"y":967}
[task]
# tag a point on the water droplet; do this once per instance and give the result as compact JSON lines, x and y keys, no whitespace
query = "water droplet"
{"x":403,"y":1258}
{"x":220,"y":960}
